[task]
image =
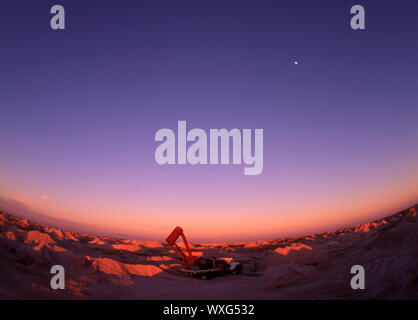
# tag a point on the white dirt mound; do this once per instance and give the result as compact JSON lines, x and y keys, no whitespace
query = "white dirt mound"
{"x":126,"y":247}
{"x":119,"y":269}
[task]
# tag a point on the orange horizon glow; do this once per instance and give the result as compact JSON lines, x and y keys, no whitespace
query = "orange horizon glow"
{"x":248,"y":224}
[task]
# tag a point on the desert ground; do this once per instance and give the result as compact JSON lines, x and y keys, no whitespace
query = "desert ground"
{"x":306,"y":267}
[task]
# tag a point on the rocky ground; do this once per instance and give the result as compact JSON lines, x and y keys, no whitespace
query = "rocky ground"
{"x":307,"y":267}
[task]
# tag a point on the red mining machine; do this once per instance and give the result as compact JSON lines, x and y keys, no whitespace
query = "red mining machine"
{"x":201,"y":267}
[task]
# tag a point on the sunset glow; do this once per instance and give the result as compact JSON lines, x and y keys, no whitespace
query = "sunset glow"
{"x":80,"y":111}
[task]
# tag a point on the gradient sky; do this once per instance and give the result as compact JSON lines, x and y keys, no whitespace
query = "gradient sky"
{"x":79,"y":110}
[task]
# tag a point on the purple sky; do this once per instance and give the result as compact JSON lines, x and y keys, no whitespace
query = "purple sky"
{"x":80,"y":108}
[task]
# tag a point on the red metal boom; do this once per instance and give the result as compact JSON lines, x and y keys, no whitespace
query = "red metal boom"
{"x":171,"y":240}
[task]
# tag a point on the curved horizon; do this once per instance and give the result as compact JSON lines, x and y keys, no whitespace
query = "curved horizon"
{"x":23,"y":210}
